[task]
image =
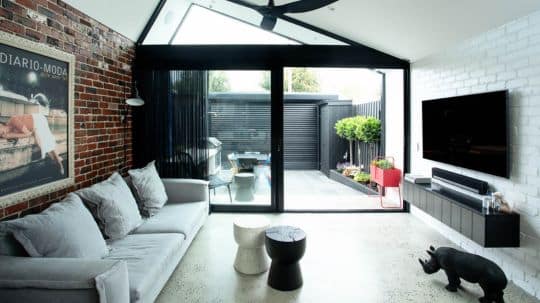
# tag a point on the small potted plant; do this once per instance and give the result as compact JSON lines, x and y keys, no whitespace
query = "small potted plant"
{"x":350,"y":171}
{"x":384,"y":173}
{"x":341,"y":166}
{"x":362,"y":177}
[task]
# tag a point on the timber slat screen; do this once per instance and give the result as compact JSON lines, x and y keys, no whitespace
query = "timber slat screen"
{"x":332,"y":147}
{"x":368,"y":152}
{"x":241,"y":124}
{"x":368,"y":109}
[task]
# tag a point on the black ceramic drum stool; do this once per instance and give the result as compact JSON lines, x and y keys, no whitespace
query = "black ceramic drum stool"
{"x":285,"y":246}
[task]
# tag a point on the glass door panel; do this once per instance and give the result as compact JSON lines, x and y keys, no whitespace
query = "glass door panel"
{"x":239,"y":139}
{"x":322,"y":171}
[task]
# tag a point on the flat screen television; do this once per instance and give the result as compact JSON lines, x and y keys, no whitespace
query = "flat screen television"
{"x":468,"y":131}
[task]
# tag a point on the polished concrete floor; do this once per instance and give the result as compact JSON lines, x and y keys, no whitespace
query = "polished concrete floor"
{"x":313,"y":190}
{"x":367,"y":258}
{"x":307,"y":190}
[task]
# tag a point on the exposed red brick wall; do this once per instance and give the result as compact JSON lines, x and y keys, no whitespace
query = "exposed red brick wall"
{"x":102,"y":82}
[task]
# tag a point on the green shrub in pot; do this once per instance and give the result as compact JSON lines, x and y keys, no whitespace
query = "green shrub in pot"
{"x":383,"y":164}
{"x":347,"y":128}
{"x":362,"y":177}
{"x":369,"y":131}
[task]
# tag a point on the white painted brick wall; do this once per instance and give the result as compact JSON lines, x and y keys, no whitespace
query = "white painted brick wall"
{"x":507,"y":57}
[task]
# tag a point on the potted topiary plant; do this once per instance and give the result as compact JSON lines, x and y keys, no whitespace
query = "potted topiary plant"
{"x":369,"y":131}
{"x":384,"y":173}
{"x":346,"y":128}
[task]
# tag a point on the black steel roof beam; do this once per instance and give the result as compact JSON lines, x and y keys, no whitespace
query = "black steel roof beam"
{"x":151,"y":21}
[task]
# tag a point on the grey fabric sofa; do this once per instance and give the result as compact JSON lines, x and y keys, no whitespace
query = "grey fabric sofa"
{"x":135,"y":270}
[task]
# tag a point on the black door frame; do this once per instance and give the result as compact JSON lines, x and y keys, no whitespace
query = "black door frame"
{"x":274,"y":58}
{"x":276,"y":165}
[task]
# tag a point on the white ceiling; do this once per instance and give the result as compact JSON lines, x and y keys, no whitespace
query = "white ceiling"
{"x":412,"y":29}
{"x":127,"y":17}
{"x":408,"y":29}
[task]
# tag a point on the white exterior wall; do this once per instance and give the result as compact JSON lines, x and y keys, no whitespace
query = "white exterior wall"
{"x":394,"y":139}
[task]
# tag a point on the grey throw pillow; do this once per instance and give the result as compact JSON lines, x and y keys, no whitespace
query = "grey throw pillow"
{"x":149,"y":189}
{"x":9,"y":245}
{"x":113,"y":206}
{"x":64,"y":230}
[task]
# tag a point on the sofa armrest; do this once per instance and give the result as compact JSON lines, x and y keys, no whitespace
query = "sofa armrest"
{"x":186,"y":190}
{"x":107,"y":278}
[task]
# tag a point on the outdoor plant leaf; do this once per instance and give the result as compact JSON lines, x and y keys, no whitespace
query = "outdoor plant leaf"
{"x":362,"y":177}
{"x":369,"y":130}
{"x":347,"y":128}
{"x":384,"y":164}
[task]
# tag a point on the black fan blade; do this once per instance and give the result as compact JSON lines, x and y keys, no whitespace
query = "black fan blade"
{"x":268,"y":22}
{"x":303,"y":6}
{"x":245,"y":3}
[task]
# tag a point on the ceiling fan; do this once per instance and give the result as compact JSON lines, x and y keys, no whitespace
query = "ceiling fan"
{"x":271,"y":11}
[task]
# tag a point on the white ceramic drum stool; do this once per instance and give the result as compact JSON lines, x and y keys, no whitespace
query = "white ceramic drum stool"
{"x":251,"y":258}
{"x":244,"y":186}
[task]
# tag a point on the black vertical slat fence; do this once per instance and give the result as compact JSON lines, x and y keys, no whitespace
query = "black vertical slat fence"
{"x":368,"y":109}
{"x":332,"y":147}
{"x":172,"y":128}
{"x":241,"y":122}
{"x":366,"y":152}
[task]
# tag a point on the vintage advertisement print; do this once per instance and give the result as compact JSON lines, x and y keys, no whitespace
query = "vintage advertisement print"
{"x":36,"y":87}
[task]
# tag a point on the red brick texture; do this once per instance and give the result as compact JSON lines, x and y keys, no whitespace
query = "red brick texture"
{"x":102,"y":82}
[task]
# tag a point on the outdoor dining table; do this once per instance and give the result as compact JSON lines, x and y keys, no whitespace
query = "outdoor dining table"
{"x":257,"y":156}
{"x":247,"y":161}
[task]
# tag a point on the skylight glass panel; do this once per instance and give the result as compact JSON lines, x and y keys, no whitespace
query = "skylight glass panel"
{"x":203,"y":26}
{"x":223,"y":22}
{"x":304,"y":35}
{"x":167,"y":22}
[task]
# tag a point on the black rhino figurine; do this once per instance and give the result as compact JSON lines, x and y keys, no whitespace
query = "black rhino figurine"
{"x":473,"y":268}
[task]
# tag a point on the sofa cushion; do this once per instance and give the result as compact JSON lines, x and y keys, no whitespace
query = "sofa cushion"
{"x":174,"y":218}
{"x":149,"y":258}
{"x":113,"y":206}
{"x":64,"y":230}
{"x":63,"y":280}
{"x":149,"y":189}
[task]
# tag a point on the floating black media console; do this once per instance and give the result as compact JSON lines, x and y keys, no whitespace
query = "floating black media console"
{"x":464,"y":214}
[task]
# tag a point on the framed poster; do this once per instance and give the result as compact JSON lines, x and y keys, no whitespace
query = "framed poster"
{"x":36,"y":119}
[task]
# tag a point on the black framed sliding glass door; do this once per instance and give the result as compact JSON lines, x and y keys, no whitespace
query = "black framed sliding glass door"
{"x":239,"y":121}
{"x":323,"y":169}
{"x":214,"y":125}
{"x":158,"y":130}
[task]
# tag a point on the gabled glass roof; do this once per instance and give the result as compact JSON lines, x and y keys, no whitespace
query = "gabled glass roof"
{"x":204,"y":26}
{"x":221,"y":22}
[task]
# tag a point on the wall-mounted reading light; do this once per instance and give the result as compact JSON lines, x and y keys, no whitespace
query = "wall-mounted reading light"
{"x":137,"y":100}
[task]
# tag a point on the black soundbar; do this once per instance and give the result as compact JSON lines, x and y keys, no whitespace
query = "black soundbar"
{"x":464,"y":182}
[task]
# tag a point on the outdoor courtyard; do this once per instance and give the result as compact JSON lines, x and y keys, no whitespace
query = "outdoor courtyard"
{"x":306,"y":190}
